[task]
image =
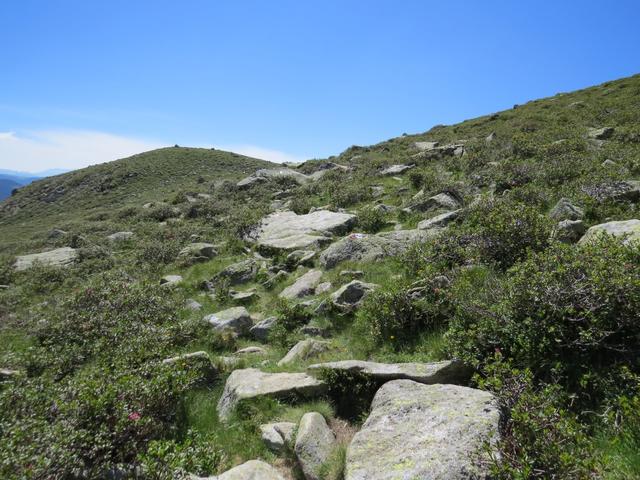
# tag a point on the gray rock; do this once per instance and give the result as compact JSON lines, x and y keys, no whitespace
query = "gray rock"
{"x":382,"y":208}
{"x":417,"y":431}
{"x":251,"y":383}
{"x":197,"y":252}
{"x":304,"y":350}
{"x":245,"y":297}
{"x":301,"y":257}
{"x":352,"y":274}
{"x":490,"y":138}
{"x":56,"y":233}
{"x":236,"y":319}
{"x":303,"y":286}
{"x":377,"y":191}
{"x":349,"y":297}
{"x":600,"y":133}
{"x":627,"y":229}
{"x":240,"y":272}
{"x":263,"y":174}
{"x":396,"y":169}
{"x":8,"y":374}
{"x":426,"y":146}
{"x":314,"y":331}
{"x":322,"y":288}
{"x":448,"y":371}
{"x":361,"y":247}
{"x":60,"y":257}
{"x":272,"y":281}
{"x":251,"y":470}
{"x":314,"y":444}
{"x":170,"y":280}
{"x":439,"y":220}
{"x":252,"y":350}
{"x":260,"y":331}
{"x":120,"y":236}
{"x":565,"y":210}
{"x":288,"y":231}
{"x":276,"y":436}
{"x":191,"y":304}
{"x":422,"y":203}
{"x":195,"y":360}
{"x":569,"y":231}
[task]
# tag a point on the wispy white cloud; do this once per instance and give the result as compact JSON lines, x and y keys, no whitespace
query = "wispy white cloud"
{"x":66,"y":149}
{"x":35,"y":151}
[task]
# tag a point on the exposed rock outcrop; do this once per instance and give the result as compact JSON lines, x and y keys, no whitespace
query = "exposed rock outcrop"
{"x":314,"y":444}
{"x":236,"y":319}
{"x":628,"y":229}
{"x":304,"y":350}
{"x":60,"y":257}
{"x":303,"y":286}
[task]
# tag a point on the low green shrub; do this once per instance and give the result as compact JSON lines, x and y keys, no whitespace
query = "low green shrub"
{"x":371,"y":220}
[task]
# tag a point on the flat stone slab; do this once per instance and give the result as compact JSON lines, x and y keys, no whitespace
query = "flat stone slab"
{"x":60,"y":257}
{"x":629,"y":229}
{"x":303,"y":350}
{"x":236,"y":319}
{"x":439,"y":221}
{"x":396,"y":169}
{"x":288,"y":231}
{"x":120,"y":236}
{"x":251,"y":470}
{"x":265,"y":174}
{"x":252,"y":383}
{"x":449,"y":371}
{"x":303,"y":286}
{"x":418,"y":431}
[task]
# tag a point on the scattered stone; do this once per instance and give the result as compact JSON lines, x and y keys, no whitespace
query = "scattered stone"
{"x":314,"y":444}
{"x":314,"y":331}
{"x":349,"y":297}
{"x":421,"y":203}
{"x":304,"y":350}
{"x":569,"y":231}
{"x":240,"y":272}
{"x":236,"y":319}
{"x":198,"y":252}
{"x":263,"y":175}
{"x":565,"y":210}
{"x":8,"y":374}
{"x":351,"y":274}
{"x":251,"y":383}
{"x":276,"y":436}
{"x":229,"y":364}
{"x":425,"y":431}
{"x":252,"y":350}
{"x":628,"y":229}
{"x":382,"y":208}
{"x":600,"y":133}
{"x":277,"y":278}
{"x":260,"y":331}
{"x":609,"y":163}
{"x":322,"y":288}
{"x":251,"y":470}
{"x":396,"y":169}
{"x":60,"y":257}
{"x":288,"y":231}
{"x":448,"y":371}
{"x":195,"y":360}
{"x":170,"y":280}
{"x":627,"y":190}
{"x":490,"y":138}
{"x":301,"y":257}
{"x":439,"y":221}
{"x":56,"y":233}
{"x":120,"y":236}
{"x":191,"y":304}
{"x":377,"y":191}
{"x":426,"y":146}
{"x":245,"y":297}
{"x":303,"y":286}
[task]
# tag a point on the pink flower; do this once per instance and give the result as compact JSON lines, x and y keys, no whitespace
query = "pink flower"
{"x":134,"y":416}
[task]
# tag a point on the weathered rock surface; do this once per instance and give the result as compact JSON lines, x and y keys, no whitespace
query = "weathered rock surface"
{"x":276,"y":436}
{"x":260,"y":331}
{"x":569,"y":231}
{"x":240,"y":272}
{"x":60,"y":257}
{"x":170,"y":280}
{"x":314,"y":444}
{"x":439,"y":220}
{"x":565,"y":210}
{"x":251,"y":383}
{"x":193,"y":305}
{"x":197,"y":252}
{"x":349,"y":297}
{"x":304,"y":350}
{"x":236,"y":319}
{"x":303,"y":286}
{"x":449,"y":371}
{"x":421,"y":203}
{"x":251,"y":470}
{"x":243,"y":297}
{"x":301,"y":257}
{"x":425,"y":146}
{"x":363,"y":247}
{"x":252,"y":350}
{"x":603,"y":133}
{"x":396,"y":169}
{"x":629,"y":229}
{"x":120,"y":236}
{"x":418,"y":431}
{"x":265,"y":174}
{"x":289,"y":231}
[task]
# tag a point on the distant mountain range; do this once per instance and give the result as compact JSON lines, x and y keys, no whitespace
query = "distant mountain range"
{"x":11,"y":179}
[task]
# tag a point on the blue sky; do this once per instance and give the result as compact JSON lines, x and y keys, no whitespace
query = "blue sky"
{"x":83,"y":82}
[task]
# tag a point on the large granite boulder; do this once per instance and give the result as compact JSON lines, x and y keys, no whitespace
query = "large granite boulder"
{"x":361,"y":247}
{"x":289,"y":231}
{"x":417,"y":431}
{"x":448,"y":371}
{"x":349,"y":297}
{"x":236,"y":319}
{"x":314,"y":444}
{"x":251,"y":470}
{"x":252,"y":383}
{"x":303,"y":286}
{"x":60,"y":257}
{"x":627,"y":229}
{"x":303,"y":350}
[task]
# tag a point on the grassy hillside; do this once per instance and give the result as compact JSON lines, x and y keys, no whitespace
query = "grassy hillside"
{"x":548,"y":325}
{"x":99,"y":190}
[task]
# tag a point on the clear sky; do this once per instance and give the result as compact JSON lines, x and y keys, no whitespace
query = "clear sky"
{"x":83,"y":81}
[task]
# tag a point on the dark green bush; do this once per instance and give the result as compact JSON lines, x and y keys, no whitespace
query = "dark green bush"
{"x":371,"y":220}
{"x":290,"y":316}
{"x":158,"y":252}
